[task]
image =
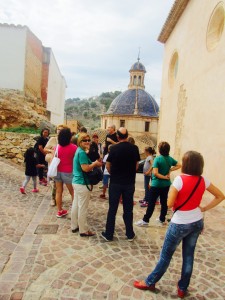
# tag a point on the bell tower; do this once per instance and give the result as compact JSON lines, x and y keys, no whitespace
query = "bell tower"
{"x":137,"y":75}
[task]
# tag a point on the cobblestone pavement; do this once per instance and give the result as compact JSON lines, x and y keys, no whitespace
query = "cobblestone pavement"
{"x":65,"y":266}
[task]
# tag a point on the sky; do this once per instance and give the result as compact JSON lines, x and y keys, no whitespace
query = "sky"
{"x":95,"y":42}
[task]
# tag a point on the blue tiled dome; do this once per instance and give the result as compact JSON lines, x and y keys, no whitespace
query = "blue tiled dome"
{"x":124,"y":104}
{"x":138,"y":66}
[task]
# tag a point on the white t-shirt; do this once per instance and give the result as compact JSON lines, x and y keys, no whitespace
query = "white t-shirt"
{"x":190,"y":216}
{"x":104,"y":161}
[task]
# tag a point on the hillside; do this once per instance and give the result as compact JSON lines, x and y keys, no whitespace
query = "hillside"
{"x":88,"y":111}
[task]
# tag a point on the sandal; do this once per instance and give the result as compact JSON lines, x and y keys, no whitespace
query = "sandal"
{"x":88,"y":233}
{"x":75,"y":230}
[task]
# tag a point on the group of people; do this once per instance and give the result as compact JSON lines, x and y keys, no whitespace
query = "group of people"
{"x":121,"y":158}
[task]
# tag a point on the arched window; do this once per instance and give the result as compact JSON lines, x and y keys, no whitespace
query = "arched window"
{"x":215,"y":27}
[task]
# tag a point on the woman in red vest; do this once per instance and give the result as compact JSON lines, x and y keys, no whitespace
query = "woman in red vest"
{"x":187,"y":222}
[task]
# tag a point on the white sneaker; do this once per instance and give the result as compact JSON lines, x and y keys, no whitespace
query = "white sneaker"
{"x":141,"y":223}
{"x":160,"y":223}
{"x":53,"y":203}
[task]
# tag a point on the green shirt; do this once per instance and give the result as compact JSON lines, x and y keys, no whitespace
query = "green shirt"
{"x":80,"y":158}
{"x":163,"y":164}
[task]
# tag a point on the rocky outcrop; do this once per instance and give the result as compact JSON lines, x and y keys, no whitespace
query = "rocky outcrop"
{"x":17,"y":110}
{"x":14,"y":145}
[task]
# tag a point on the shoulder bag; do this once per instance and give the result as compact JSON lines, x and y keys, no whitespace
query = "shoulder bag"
{"x":53,"y":167}
{"x":94,"y":177}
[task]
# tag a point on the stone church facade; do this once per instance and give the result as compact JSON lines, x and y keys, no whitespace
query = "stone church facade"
{"x":135,"y":109}
{"x":192,"y":105}
{"x":29,"y":67}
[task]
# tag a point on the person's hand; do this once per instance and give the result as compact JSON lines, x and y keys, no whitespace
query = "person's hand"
{"x":168,"y":176}
{"x":202,"y":208}
{"x":109,"y":140}
{"x":98,"y":163}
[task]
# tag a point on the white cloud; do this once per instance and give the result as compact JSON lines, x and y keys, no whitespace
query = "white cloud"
{"x":96,"y":42}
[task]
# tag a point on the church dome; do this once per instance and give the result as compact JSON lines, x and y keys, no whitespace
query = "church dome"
{"x":138,"y":67}
{"x":134,"y":102}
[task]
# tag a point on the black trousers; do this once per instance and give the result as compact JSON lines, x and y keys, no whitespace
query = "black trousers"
{"x":154,"y":193}
{"x":41,"y":160}
{"x":127,"y":192}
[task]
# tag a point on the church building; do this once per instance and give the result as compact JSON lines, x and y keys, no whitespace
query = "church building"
{"x":192,"y":107}
{"x":135,"y":109}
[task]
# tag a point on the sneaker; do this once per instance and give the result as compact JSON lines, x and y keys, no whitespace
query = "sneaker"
{"x":102,"y":196}
{"x":180,"y":293}
{"x":53,"y":202}
{"x":61,"y":213}
{"x":141,"y":201}
{"x":144,"y":204}
{"x":35,"y":190}
{"x":131,"y":240}
{"x":159,"y":222}
{"x":22,"y":190}
{"x":103,"y":235}
{"x":141,"y":223}
{"x":42,"y":182}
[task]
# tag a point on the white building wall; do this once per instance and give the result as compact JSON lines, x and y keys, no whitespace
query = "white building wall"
{"x":192,"y":110}
{"x":56,"y":92}
{"x":12,"y":57}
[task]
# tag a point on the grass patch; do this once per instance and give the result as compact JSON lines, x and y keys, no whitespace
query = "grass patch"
{"x":22,"y":130}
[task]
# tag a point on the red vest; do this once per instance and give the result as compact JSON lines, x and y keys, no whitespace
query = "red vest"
{"x":189,"y":183}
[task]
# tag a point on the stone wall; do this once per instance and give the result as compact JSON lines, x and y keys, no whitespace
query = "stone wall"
{"x":14,"y":145}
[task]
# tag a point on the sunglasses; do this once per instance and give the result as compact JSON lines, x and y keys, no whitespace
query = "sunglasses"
{"x":86,"y":141}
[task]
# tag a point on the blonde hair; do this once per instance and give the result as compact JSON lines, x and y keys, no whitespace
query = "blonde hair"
{"x":63,"y":126}
{"x":80,"y":138}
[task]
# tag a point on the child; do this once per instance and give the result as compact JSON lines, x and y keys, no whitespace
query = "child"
{"x":106,"y":176}
{"x":147,"y":171}
{"x":30,"y":170}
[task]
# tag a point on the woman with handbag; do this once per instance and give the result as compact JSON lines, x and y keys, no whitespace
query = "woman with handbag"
{"x":187,"y":222}
{"x":66,"y":152}
{"x":81,"y":165}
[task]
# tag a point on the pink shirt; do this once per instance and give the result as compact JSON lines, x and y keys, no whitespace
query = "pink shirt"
{"x":66,"y":155}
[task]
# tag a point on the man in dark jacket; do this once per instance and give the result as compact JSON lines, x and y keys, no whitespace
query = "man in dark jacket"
{"x":122,"y":164}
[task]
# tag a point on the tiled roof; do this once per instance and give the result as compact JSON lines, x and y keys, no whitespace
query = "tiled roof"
{"x":124,"y":104}
{"x":137,"y":67}
{"x":171,"y":21}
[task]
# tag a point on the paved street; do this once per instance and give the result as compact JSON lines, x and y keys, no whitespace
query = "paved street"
{"x":65,"y":266}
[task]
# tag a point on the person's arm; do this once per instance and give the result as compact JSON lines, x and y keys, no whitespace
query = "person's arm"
{"x":219,"y":197}
{"x":111,"y":141}
{"x":49,"y":147}
{"x":172,"y":196}
{"x":88,"y":168}
{"x":40,"y":166}
{"x":41,"y":149}
{"x":108,"y":166}
{"x":137,"y":165}
{"x":178,"y":166}
{"x":160,"y":176}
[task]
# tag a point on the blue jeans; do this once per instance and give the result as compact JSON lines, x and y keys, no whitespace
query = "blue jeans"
{"x":188,"y":234}
{"x":127,"y":192}
{"x":146,"y":186}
